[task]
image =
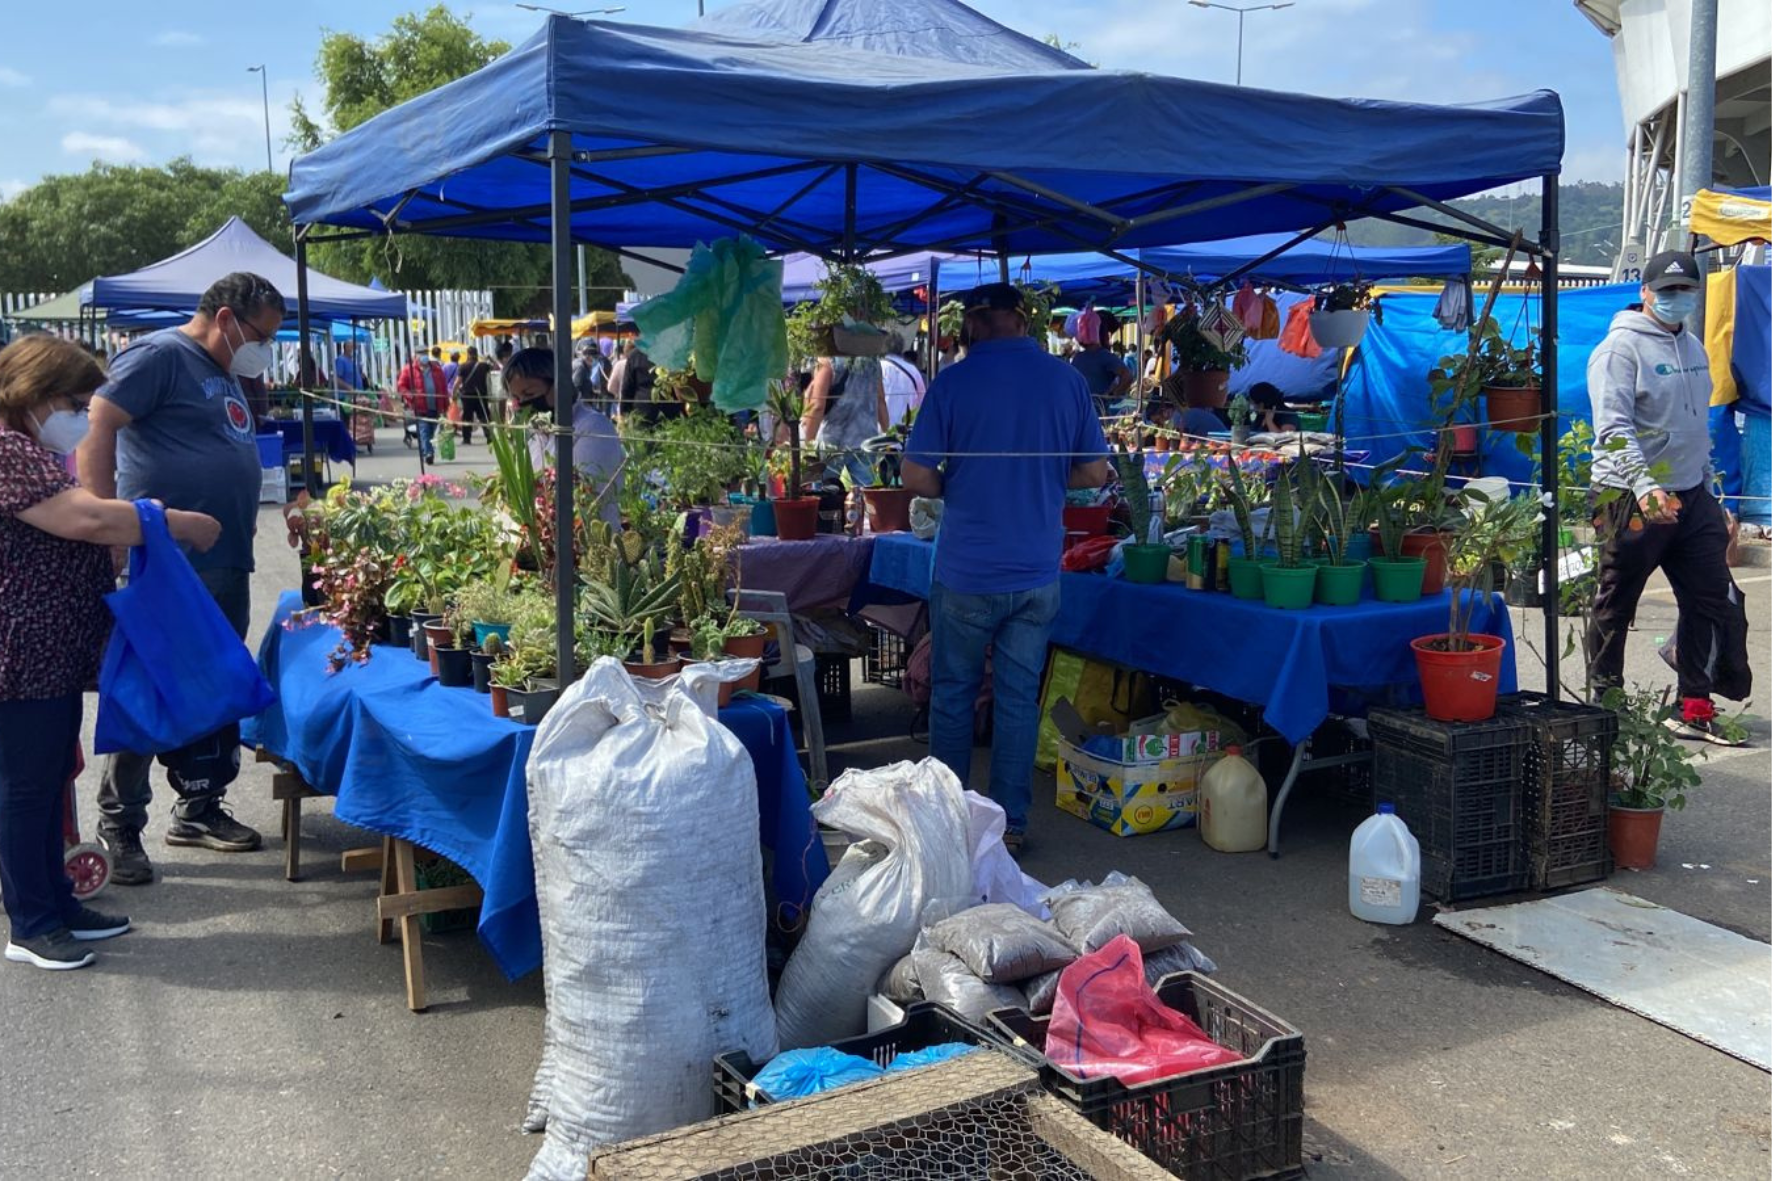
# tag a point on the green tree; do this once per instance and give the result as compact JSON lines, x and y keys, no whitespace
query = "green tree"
{"x":112,"y":219}
{"x":363,"y":78}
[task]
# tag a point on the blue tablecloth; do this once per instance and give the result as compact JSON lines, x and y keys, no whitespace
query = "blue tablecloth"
{"x":331,"y":436}
{"x":409,"y":758}
{"x":1286,"y":662}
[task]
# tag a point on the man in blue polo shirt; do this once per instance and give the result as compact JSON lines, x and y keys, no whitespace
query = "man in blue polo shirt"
{"x":999,"y":438}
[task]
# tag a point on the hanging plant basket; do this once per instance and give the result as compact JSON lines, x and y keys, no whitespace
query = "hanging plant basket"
{"x":1339,"y":329}
{"x":1513,"y":408}
{"x":856,"y":342}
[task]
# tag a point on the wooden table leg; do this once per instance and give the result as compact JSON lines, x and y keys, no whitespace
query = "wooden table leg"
{"x":411,"y":933}
{"x":385,"y":928}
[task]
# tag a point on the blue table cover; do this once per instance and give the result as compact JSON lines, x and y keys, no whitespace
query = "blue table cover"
{"x":331,"y":436}
{"x":1286,"y":662}
{"x":409,"y":758}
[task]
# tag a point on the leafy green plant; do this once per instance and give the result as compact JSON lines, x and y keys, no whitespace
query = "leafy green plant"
{"x":1194,"y":352}
{"x":700,"y":454}
{"x":1334,"y":521}
{"x":1240,"y":411}
{"x":1494,"y":531}
{"x":1651,"y":766}
{"x":1353,"y":296}
{"x":787,"y":405}
{"x":709,"y":634}
{"x":1283,"y":520}
{"x":637,"y":596}
{"x":1129,"y":465}
{"x":851,"y":292}
{"x":514,"y":489}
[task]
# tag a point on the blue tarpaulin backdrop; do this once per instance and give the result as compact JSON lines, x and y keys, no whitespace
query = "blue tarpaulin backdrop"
{"x":1386,"y":387}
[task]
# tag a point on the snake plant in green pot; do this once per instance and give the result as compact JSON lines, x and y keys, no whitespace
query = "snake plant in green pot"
{"x":1245,"y":497}
{"x":1396,"y":576}
{"x":1341,"y":576}
{"x":1145,"y":561}
{"x":1288,"y":582}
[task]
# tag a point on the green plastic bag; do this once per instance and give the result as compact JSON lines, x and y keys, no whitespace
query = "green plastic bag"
{"x":726,"y":313}
{"x":445,"y":441}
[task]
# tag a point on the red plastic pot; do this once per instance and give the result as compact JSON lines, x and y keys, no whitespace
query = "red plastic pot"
{"x":1632,"y":834}
{"x":1090,"y":519}
{"x":501,"y":704}
{"x":796,"y":519}
{"x":1459,"y":686}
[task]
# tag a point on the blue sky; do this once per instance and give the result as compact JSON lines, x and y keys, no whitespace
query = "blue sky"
{"x":132,"y":82}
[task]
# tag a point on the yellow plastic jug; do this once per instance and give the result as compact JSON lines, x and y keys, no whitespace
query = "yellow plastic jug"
{"x":1233,"y":805}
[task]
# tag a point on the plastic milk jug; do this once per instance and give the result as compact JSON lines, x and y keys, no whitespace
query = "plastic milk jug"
{"x":1233,"y":805}
{"x":1384,"y":869}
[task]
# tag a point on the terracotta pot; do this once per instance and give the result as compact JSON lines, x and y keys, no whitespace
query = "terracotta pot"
{"x":1513,"y":408}
{"x":653,"y":672}
{"x":1632,"y":834}
{"x":750,"y":647}
{"x":501,"y":703}
{"x":1459,"y":686}
{"x":889,"y":509}
{"x":1208,"y":390}
{"x":796,"y":519}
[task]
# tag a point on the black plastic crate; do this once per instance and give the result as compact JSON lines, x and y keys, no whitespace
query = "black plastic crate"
{"x":1567,"y":778}
{"x":833,"y":688}
{"x":925,"y":1024}
{"x":1457,"y":786}
{"x":884,"y":662}
{"x":1227,"y":1123}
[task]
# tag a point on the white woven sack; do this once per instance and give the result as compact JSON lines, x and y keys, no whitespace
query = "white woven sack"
{"x":643,"y":815}
{"x":910,"y":822}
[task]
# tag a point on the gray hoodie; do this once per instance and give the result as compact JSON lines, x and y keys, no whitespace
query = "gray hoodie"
{"x":1650,"y":389}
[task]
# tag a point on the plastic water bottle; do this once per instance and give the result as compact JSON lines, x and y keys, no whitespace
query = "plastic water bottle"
{"x":1233,"y":805}
{"x":1384,"y":869}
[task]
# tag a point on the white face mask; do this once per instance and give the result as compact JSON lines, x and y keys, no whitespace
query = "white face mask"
{"x":62,"y":431}
{"x":251,"y":357}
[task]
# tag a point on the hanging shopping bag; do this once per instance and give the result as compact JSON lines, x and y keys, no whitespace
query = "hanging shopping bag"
{"x":1296,"y":338}
{"x":1104,"y":694}
{"x":174,"y":671}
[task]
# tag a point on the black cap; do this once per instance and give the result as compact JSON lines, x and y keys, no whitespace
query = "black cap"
{"x":1004,"y":297}
{"x":1671,"y":268}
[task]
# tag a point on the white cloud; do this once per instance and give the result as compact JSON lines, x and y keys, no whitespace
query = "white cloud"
{"x":112,"y":148}
{"x":213,"y":127}
{"x":178,"y":39}
{"x":12,"y":188}
{"x":11,"y":77}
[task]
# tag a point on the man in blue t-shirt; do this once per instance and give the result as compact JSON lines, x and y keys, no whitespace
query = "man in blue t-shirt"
{"x":173,"y":424}
{"x":999,"y":438}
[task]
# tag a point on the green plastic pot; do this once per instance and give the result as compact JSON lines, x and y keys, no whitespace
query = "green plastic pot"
{"x":1288,"y":588}
{"x":1246,"y":578}
{"x":1146,"y":563}
{"x":1339,"y":586}
{"x":1397,"y":580}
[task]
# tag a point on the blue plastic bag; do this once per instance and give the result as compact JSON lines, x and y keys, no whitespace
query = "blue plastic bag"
{"x":174,"y":671}
{"x":929,"y":1056}
{"x":795,"y":1074}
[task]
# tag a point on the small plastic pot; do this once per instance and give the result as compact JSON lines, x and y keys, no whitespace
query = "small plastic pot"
{"x":797,"y":519}
{"x":481,"y":666}
{"x":1459,"y":686}
{"x":889,"y":509}
{"x":1147,"y":564}
{"x":455,"y":667}
{"x":656,"y":671}
{"x":400,"y":631}
{"x":1632,"y":834}
{"x":1288,"y":588}
{"x":1245,"y":576}
{"x":1339,"y":586}
{"x":1397,"y":580}
{"x":482,"y":630}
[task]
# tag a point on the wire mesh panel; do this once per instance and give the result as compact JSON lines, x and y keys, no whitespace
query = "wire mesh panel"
{"x":978,"y":1118}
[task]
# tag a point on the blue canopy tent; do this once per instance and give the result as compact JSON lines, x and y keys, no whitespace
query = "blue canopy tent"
{"x":178,"y":283}
{"x":1272,"y":258}
{"x":626,"y":136}
{"x":940,"y":29}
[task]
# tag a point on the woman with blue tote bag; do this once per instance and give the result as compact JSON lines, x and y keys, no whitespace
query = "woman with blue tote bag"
{"x":55,"y":570}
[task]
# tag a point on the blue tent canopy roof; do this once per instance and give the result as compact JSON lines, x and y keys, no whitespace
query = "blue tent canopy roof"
{"x":944,"y":29}
{"x":681,"y":136}
{"x":1313,"y":261}
{"x":178,"y":283}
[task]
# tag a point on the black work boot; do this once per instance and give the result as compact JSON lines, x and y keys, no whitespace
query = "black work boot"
{"x":129,"y":861}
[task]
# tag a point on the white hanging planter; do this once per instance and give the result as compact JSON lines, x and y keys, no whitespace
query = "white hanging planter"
{"x":1341,"y":329}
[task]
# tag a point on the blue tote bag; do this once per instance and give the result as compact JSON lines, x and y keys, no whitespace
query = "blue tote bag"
{"x":174,"y":671}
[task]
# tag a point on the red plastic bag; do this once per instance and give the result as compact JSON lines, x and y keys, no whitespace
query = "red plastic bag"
{"x":1106,"y":1021}
{"x":1296,"y":338}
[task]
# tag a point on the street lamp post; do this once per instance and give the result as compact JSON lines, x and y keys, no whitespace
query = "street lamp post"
{"x":265,"y":90}
{"x":1241,"y":13}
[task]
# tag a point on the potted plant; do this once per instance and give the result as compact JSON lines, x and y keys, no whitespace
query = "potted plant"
{"x":488,"y":607}
{"x":1202,"y":366}
{"x":1339,"y":314}
{"x":1245,"y":498}
{"x":1460,"y":670}
{"x":1342,"y":575}
{"x":454,"y":660}
{"x":637,"y":595}
{"x":1146,"y":561}
{"x":851,"y":303}
{"x":796,"y":516}
{"x":888,"y":501}
{"x":1651,"y":772}
{"x":1512,"y":383}
{"x":538,"y":691}
{"x":481,"y":660}
{"x":509,"y":674}
{"x":1288,"y":582}
{"x":1242,"y":414}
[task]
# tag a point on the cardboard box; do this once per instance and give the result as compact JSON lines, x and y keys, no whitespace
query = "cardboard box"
{"x":1152,"y":789}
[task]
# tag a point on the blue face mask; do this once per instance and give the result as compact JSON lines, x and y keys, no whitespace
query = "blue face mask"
{"x":1671,"y":307}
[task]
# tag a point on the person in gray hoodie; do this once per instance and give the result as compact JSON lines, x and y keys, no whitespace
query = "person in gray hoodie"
{"x":1649,"y":384}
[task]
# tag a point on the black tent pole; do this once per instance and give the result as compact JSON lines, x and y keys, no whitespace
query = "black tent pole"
{"x":1547,"y":433}
{"x":302,"y":363}
{"x":565,"y":573}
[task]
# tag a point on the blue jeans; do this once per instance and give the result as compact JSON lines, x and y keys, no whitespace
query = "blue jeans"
{"x":1013,"y":627}
{"x":427,"y":431}
{"x":37,"y":740}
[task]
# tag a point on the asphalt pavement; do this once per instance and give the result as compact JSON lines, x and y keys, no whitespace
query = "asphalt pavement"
{"x":254,"y":1027}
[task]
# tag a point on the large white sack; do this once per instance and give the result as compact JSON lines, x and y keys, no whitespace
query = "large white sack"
{"x":643,"y":815}
{"x":911,"y":822}
{"x":995,"y":875}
